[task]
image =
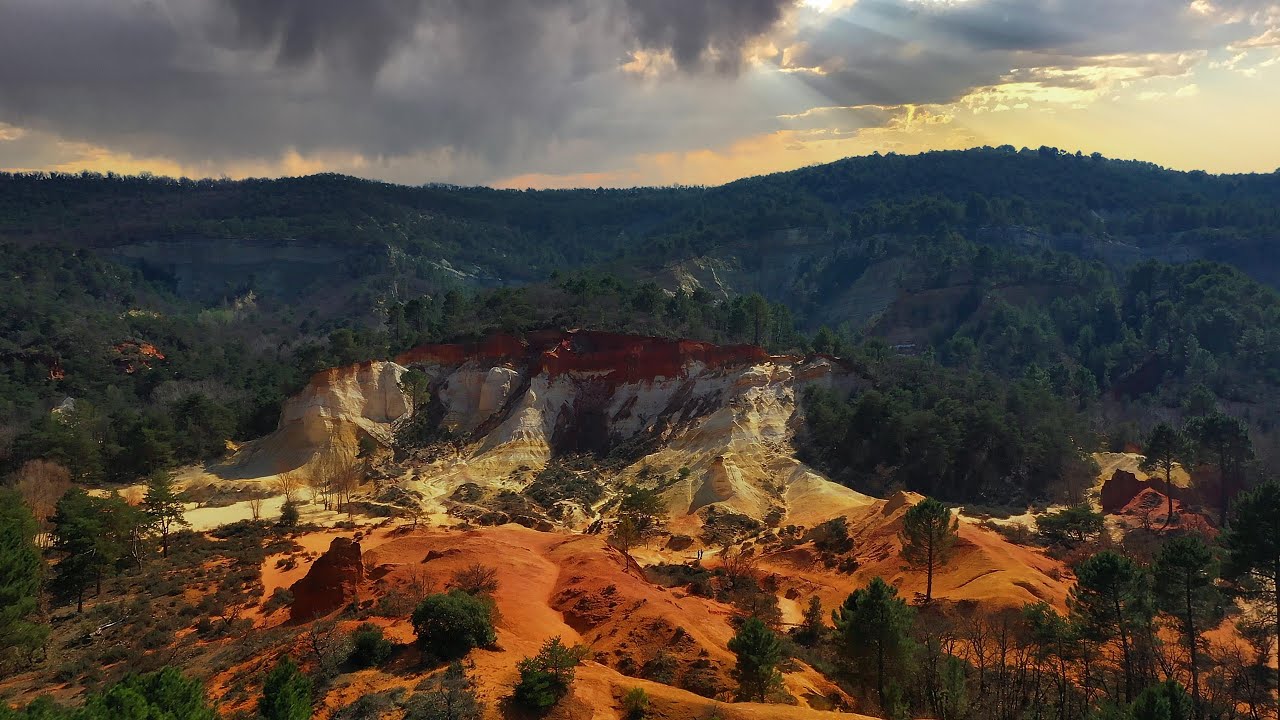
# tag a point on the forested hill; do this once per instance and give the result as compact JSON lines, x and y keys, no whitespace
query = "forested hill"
{"x":1121,"y":211}
{"x":178,"y":314}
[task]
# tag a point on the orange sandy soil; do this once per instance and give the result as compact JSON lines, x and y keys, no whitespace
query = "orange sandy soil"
{"x":983,"y":566}
{"x":573,"y":586}
{"x":581,"y":589}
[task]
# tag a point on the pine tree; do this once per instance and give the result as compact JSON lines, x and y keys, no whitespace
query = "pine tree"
{"x":78,"y":535}
{"x":547,"y":676}
{"x":758,"y":308}
{"x":1165,"y":447}
{"x":1166,"y":701}
{"x":759,"y":652}
{"x":1054,"y":638}
{"x":873,"y":632}
{"x":813,"y":627}
{"x":162,"y":507}
{"x":1111,"y":599}
{"x":1253,"y":549}
{"x":1184,"y":574}
{"x":164,"y":694}
{"x":1223,"y":440}
{"x":286,"y":693}
{"x":928,"y":533}
{"x":21,"y":571}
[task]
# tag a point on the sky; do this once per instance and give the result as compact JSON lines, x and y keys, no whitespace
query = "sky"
{"x":587,"y":93}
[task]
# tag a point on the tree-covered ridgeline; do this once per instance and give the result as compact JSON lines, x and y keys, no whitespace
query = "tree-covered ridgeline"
{"x":1007,"y":267}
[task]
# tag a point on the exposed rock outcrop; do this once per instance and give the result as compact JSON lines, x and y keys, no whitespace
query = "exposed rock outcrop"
{"x":332,"y":582}
{"x":1122,"y":487}
{"x":715,"y":422}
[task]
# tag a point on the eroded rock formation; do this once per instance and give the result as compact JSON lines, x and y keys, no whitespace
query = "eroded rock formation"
{"x":723,"y":416}
{"x":332,"y":582}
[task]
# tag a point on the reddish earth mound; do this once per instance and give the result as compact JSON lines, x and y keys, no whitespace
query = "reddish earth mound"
{"x":1151,"y":508}
{"x":578,"y":587}
{"x":332,"y":582}
{"x":1123,"y":487}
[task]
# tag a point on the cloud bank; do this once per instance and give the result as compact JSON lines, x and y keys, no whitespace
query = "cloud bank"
{"x":481,"y":90}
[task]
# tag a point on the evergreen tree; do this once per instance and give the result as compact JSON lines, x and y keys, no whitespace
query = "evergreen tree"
{"x":758,"y":309}
{"x":164,"y":694}
{"x":1166,"y":701}
{"x":928,"y":533}
{"x":78,"y":535}
{"x":546,"y":677}
{"x":759,"y":652}
{"x":286,"y":693}
{"x":873,"y":633}
{"x":162,"y":507}
{"x":21,"y":571}
{"x":1074,"y":525}
{"x":289,"y":515}
{"x":416,"y":386}
{"x":1053,"y":638}
{"x":1184,"y":573}
{"x":1224,"y":441}
{"x":1164,"y":449}
{"x":1111,"y":600}
{"x":813,"y":627}
{"x":1253,"y":550}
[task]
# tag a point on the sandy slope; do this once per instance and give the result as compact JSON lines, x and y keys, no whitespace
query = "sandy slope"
{"x":574,"y":587}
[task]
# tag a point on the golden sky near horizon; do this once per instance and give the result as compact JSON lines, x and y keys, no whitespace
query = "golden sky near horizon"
{"x":564,"y":93}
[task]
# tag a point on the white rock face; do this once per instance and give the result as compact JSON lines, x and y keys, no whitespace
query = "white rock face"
{"x":723,"y":437}
{"x":335,"y":408}
{"x":473,"y":393}
{"x":367,"y":395}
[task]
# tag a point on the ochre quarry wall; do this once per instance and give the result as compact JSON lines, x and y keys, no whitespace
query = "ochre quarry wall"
{"x":723,"y":418}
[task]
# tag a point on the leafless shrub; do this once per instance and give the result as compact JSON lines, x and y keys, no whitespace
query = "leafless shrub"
{"x":476,"y":579}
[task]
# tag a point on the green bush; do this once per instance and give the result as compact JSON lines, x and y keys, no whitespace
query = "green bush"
{"x":286,"y":693}
{"x":289,"y":515}
{"x":635,"y":704}
{"x":449,"y":625}
{"x":164,"y":694}
{"x":1074,"y":525}
{"x":280,"y":598}
{"x":369,"y":647}
{"x":546,"y":677}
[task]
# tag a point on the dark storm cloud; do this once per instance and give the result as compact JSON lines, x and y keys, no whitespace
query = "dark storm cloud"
{"x":360,"y":36}
{"x":701,"y":33}
{"x":485,"y":81}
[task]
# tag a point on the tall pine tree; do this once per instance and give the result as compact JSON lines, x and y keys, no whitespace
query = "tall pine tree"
{"x":928,"y":533}
{"x":873,"y":629}
{"x":1165,"y":447}
{"x":1184,"y":574}
{"x":759,"y":652}
{"x":1253,"y":548}
{"x":163,"y":509}
{"x":1111,"y":600}
{"x":20,"y":574}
